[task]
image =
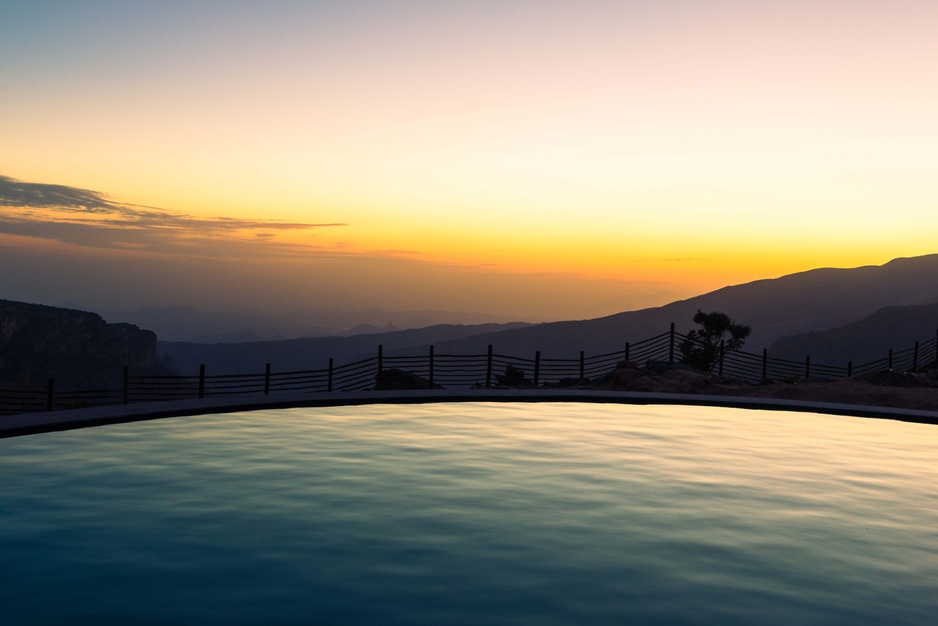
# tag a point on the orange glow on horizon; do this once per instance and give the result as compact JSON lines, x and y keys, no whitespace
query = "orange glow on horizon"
{"x":686,"y":147}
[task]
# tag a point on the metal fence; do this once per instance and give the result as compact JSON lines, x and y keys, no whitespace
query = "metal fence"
{"x":490,"y":369}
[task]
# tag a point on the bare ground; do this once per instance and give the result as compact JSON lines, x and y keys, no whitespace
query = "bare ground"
{"x":888,"y":389}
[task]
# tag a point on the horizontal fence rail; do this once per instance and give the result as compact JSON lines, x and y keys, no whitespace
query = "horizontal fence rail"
{"x":431,"y":370}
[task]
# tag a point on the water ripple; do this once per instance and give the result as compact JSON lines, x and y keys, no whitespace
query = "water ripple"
{"x":474,"y":514}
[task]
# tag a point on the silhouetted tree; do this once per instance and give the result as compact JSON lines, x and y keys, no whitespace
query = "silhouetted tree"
{"x":701,"y":349}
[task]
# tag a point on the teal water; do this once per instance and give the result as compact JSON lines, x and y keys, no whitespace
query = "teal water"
{"x":473,"y":514}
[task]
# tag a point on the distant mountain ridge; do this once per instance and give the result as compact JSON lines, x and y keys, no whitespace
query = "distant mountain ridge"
{"x":863,"y":341}
{"x":831,"y":304}
{"x":182,"y":323}
{"x":814,"y":300}
{"x":309,"y":353}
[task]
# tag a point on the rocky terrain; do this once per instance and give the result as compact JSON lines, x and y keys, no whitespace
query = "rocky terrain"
{"x":893,"y":389}
{"x":77,"y":349}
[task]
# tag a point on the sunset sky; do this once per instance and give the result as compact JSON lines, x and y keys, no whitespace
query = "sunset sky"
{"x":530,"y":158}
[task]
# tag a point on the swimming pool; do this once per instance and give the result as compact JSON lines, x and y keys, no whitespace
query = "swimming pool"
{"x":474,"y":513}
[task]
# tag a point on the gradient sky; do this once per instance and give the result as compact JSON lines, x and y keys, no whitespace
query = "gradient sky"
{"x":532,"y":158}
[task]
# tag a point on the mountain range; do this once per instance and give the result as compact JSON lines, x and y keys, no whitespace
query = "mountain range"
{"x":183,"y":323}
{"x":813,"y":301}
{"x":863,"y":341}
{"x":309,"y":353}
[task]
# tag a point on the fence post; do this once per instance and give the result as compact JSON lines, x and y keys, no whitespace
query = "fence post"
{"x":627,"y":350}
{"x":431,"y":367}
{"x":126,"y":393}
{"x":50,"y":395}
{"x":537,"y":367}
{"x":380,"y":359}
{"x":582,"y":368}
{"x":765,"y":362}
{"x":330,"y":375}
{"x":915,"y":358}
{"x":671,"y":345}
{"x":849,"y":369}
{"x":201,"y":381}
{"x":488,"y":369}
{"x":807,"y":367}
{"x":267,"y":379}
{"x":890,"y":359}
{"x":722,"y":350}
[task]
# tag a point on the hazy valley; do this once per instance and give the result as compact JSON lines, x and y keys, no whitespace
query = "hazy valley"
{"x":834,"y":315}
{"x":808,"y":302}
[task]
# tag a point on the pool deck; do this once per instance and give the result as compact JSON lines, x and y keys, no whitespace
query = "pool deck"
{"x":31,"y":423}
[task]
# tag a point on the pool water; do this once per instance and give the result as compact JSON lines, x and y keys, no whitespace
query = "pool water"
{"x":473,"y":513}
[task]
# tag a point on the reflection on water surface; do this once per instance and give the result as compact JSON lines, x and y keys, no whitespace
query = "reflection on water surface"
{"x":474,"y":514}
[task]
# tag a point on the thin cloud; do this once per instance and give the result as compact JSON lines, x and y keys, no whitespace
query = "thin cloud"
{"x":16,"y":193}
{"x":89,"y":218}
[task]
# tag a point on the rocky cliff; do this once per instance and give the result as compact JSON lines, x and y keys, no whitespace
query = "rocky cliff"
{"x":77,"y":349}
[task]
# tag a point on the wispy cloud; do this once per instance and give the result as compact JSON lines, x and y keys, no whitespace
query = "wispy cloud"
{"x":16,"y":193}
{"x":86,"y":217}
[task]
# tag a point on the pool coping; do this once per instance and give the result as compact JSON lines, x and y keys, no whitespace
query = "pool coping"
{"x":51,"y":421}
